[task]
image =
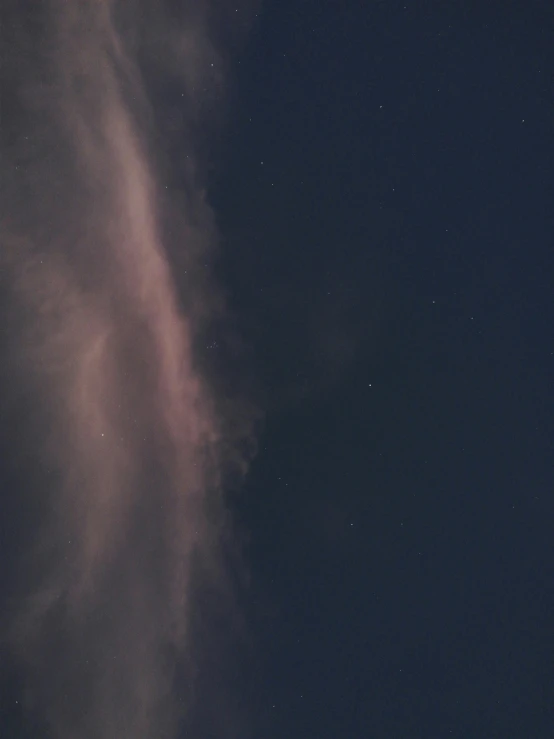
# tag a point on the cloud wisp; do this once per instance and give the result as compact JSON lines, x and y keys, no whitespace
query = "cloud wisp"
{"x":127,"y":437}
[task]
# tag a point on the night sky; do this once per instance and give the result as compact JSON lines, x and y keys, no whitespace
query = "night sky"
{"x":386,"y":211}
{"x":383,"y":186}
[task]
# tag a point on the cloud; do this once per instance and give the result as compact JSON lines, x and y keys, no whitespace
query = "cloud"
{"x":129,"y":440}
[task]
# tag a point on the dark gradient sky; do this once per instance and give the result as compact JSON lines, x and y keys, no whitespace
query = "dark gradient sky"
{"x":384,"y":194}
{"x":392,"y":264}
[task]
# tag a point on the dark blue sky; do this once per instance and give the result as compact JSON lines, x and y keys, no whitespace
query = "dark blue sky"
{"x":383,"y":188}
{"x":391,"y":264}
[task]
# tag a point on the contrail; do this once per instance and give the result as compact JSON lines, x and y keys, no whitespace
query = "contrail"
{"x":128,"y":440}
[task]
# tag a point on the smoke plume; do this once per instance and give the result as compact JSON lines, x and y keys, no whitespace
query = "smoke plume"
{"x":122,"y":442}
